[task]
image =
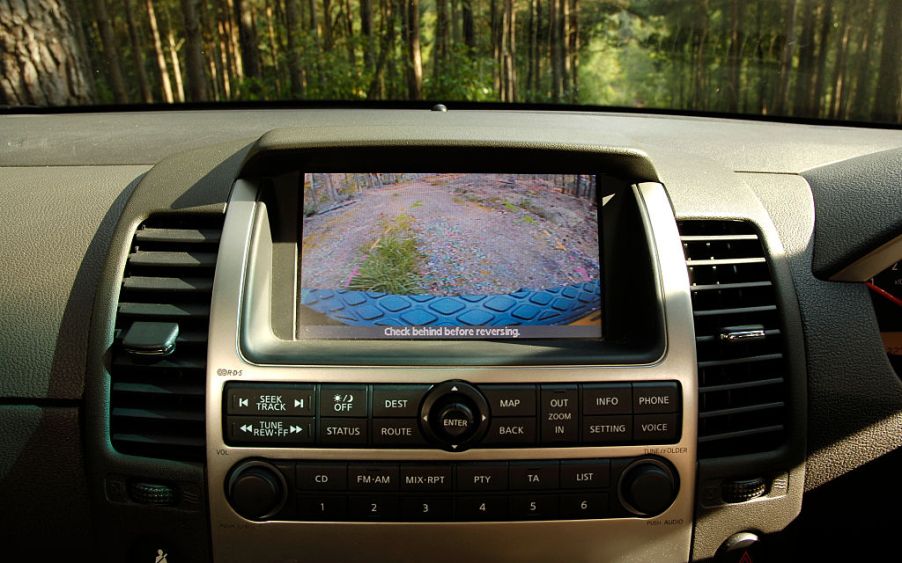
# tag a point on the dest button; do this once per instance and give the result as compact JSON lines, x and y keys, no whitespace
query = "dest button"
{"x":397,"y":400}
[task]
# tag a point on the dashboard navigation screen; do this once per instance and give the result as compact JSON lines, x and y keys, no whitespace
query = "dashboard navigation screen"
{"x":449,"y":256}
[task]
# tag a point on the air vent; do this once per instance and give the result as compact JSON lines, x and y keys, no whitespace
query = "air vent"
{"x":741,"y":370}
{"x":157,"y":403}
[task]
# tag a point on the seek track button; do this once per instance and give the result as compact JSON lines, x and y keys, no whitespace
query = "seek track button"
{"x":270,"y":400}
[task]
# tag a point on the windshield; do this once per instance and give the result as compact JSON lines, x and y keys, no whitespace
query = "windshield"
{"x":824,"y":59}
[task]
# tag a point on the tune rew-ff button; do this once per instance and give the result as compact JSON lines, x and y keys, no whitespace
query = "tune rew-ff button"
{"x":454,"y":415}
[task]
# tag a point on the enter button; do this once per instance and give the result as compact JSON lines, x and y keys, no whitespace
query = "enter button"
{"x":656,"y":428}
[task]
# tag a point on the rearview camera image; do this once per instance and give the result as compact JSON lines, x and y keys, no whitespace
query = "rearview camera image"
{"x":449,"y":256}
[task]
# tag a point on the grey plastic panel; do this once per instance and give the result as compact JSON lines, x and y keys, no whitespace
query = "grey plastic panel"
{"x":54,"y":237}
{"x":147,"y":137}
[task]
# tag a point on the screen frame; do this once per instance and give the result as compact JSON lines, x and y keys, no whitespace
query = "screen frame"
{"x":602,"y":324}
{"x":631,"y":334}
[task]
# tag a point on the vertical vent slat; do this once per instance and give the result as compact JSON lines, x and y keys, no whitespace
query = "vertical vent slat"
{"x":742,"y":389}
{"x":157,"y":406}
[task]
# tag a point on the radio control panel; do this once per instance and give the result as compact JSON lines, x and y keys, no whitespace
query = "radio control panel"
{"x":453,"y":415}
{"x":474,"y":491}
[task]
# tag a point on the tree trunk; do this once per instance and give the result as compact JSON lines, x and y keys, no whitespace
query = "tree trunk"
{"x":805,"y":72}
{"x":366,"y":29}
{"x":442,"y":40}
{"x":294,"y":60}
{"x":468,"y":25}
{"x":839,"y":63}
{"x":39,"y":57}
{"x":327,"y":25}
{"x":226,"y":57}
{"x":734,"y":54}
{"x":247,"y":39}
{"x":415,"y":57}
{"x":557,"y":80}
{"x":137,"y":53}
{"x":197,"y":81}
{"x":820,"y":74}
{"x":782,"y":99}
{"x":508,"y":50}
{"x":110,"y":48}
{"x":387,"y":44}
{"x":165,"y":86}
{"x":176,"y":65}
{"x":857,"y":107}
{"x":888,"y":102}
{"x":273,"y":48}
{"x":78,"y":25}
{"x":349,"y":34}
{"x":573,"y":47}
{"x":564,"y":37}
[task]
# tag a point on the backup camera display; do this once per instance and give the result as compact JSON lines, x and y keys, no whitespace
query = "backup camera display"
{"x":449,"y":256}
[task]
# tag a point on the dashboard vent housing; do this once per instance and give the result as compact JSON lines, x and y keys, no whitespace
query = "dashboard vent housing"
{"x":157,"y":402}
{"x":741,"y":368}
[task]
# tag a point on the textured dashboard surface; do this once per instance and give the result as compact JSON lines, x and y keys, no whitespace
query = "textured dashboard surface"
{"x":56,"y":229}
{"x":854,"y":397}
{"x":858,"y":205}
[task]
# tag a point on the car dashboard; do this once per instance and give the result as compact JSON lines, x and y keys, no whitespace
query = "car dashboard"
{"x":162,"y":394}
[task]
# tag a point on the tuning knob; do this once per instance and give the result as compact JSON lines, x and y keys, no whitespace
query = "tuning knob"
{"x":256,"y":490}
{"x":648,"y":487}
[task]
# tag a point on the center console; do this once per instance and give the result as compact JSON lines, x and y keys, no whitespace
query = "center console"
{"x":504,"y":369}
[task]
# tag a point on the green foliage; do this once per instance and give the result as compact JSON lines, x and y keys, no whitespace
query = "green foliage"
{"x":392,"y":263}
{"x":712,"y":55}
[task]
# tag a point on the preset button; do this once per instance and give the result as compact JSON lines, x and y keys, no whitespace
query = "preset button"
{"x":372,"y":477}
{"x":482,"y":477}
{"x":322,"y":476}
{"x":585,"y":474}
{"x":426,"y":478}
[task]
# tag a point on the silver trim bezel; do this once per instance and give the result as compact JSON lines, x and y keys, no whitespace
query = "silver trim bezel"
{"x":665,"y":537}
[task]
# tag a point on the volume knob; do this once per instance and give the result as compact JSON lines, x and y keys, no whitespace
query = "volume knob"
{"x":256,"y":490}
